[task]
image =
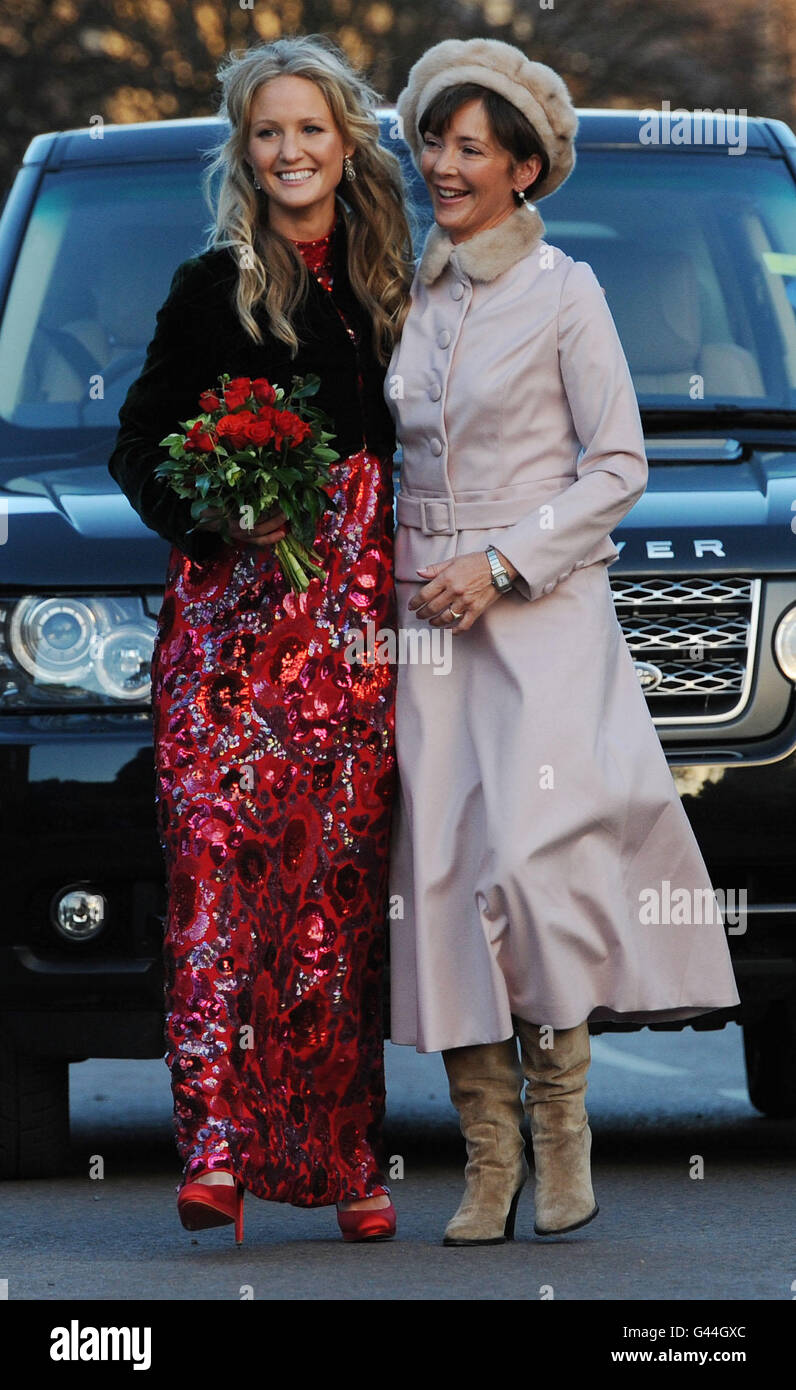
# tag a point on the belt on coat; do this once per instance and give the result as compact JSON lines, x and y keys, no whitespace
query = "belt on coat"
{"x":446,"y":515}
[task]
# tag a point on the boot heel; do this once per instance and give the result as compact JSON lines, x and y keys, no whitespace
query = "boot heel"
{"x":510,"y":1219}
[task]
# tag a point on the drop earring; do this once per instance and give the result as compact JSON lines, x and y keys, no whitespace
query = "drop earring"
{"x":348,"y":168}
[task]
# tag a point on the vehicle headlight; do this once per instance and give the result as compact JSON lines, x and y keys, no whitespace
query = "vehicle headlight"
{"x":76,"y":649}
{"x":785,"y":643}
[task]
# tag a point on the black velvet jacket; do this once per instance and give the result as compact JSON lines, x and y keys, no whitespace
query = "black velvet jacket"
{"x":198,"y":336}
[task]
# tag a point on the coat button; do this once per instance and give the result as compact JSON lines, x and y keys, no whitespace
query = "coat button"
{"x":436,"y":447}
{"x":444,"y":338}
{"x":457,"y":291}
{"x":548,"y":588}
{"x":435,"y":392}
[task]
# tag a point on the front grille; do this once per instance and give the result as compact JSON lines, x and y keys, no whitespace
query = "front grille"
{"x":697,"y":634}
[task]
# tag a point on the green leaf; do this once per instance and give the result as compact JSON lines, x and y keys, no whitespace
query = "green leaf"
{"x":308,"y":387}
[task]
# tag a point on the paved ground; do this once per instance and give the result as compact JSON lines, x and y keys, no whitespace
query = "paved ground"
{"x":656,"y":1101}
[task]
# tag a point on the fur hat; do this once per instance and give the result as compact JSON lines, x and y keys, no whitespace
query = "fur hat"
{"x":534,"y":88}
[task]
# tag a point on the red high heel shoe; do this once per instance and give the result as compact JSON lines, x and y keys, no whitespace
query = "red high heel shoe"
{"x":369,"y":1223}
{"x":201,"y":1205}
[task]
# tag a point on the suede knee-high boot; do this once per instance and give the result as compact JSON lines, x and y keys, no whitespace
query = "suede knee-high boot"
{"x":560,"y":1131}
{"x":485,"y":1083}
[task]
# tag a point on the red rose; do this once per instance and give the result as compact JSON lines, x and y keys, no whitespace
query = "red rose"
{"x":263,"y":391}
{"x":301,"y":431}
{"x":279,"y":418}
{"x":198,"y":438}
{"x":290,"y":427}
{"x":208,"y":401}
{"x":260,"y":430}
{"x":234,"y":428}
{"x":237,"y":392}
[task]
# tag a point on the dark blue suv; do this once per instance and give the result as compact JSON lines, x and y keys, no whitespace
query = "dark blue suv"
{"x":693,"y":244}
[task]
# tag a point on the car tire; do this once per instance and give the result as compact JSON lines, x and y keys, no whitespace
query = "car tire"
{"x":34,"y":1114}
{"x":769,"y":1043}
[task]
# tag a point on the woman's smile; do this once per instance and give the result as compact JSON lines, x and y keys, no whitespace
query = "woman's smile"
{"x":289,"y":176}
{"x":449,"y":195}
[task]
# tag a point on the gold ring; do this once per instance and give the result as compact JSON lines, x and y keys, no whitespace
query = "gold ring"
{"x":457,"y":616}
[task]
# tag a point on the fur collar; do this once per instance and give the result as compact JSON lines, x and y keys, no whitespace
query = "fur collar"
{"x":487,"y":254}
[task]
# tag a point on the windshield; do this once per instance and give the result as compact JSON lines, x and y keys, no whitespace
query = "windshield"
{"x":697,"y":256}
{"x":94,"y":267}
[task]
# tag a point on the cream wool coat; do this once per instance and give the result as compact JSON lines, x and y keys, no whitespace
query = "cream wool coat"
{"x":536,"y":808}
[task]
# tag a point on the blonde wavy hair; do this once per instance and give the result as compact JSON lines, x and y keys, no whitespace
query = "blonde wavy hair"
{"x":270,"y":269}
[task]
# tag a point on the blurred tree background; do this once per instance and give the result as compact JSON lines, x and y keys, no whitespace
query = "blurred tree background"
{"x":64,"y":61}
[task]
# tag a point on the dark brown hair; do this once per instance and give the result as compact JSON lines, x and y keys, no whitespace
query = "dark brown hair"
{"x":508,"y":126}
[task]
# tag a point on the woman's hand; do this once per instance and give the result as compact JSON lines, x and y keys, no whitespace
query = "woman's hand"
{"x":461,"y":585}
{"x":268,"y":530}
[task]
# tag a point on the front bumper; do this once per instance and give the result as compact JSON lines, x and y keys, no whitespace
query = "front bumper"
{"x":80,"y":808}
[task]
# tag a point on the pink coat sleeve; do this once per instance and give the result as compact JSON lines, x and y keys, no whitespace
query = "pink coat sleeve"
{"x":612,"y":469}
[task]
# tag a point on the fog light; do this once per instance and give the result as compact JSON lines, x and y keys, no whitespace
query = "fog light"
{"x":78,"y":914}
{"x":785,"y":643}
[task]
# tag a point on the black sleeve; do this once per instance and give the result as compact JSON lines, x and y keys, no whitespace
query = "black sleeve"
{"x":179,"y":365}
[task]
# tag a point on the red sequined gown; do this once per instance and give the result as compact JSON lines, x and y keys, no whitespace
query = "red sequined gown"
{"x":275,"y":779}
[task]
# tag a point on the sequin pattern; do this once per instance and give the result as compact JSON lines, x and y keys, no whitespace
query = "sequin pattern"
{"x":275,"y":777}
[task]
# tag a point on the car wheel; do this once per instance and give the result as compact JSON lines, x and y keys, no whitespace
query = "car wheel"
{"x":34,"y":1114}
{"x":769,"y":1043}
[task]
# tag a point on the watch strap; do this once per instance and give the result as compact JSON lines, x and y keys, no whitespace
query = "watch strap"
{"x":500,"y":575}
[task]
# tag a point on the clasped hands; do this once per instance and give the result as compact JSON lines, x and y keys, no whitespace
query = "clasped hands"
{"x":459,"y":586}
{"x":267,"y":531}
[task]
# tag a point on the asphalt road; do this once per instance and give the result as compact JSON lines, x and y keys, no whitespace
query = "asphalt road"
{"x":656,"y":1101}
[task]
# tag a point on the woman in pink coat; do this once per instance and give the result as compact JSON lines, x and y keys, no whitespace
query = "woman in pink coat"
{"x":538,"y":837}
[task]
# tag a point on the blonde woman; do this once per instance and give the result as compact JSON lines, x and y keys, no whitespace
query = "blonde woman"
{"x":274,"y":753}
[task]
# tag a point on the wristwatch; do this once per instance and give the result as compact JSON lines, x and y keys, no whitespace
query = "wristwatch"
{"x":500,"y":575}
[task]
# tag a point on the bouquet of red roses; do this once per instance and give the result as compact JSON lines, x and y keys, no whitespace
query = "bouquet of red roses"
{"x":256,"y":450}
